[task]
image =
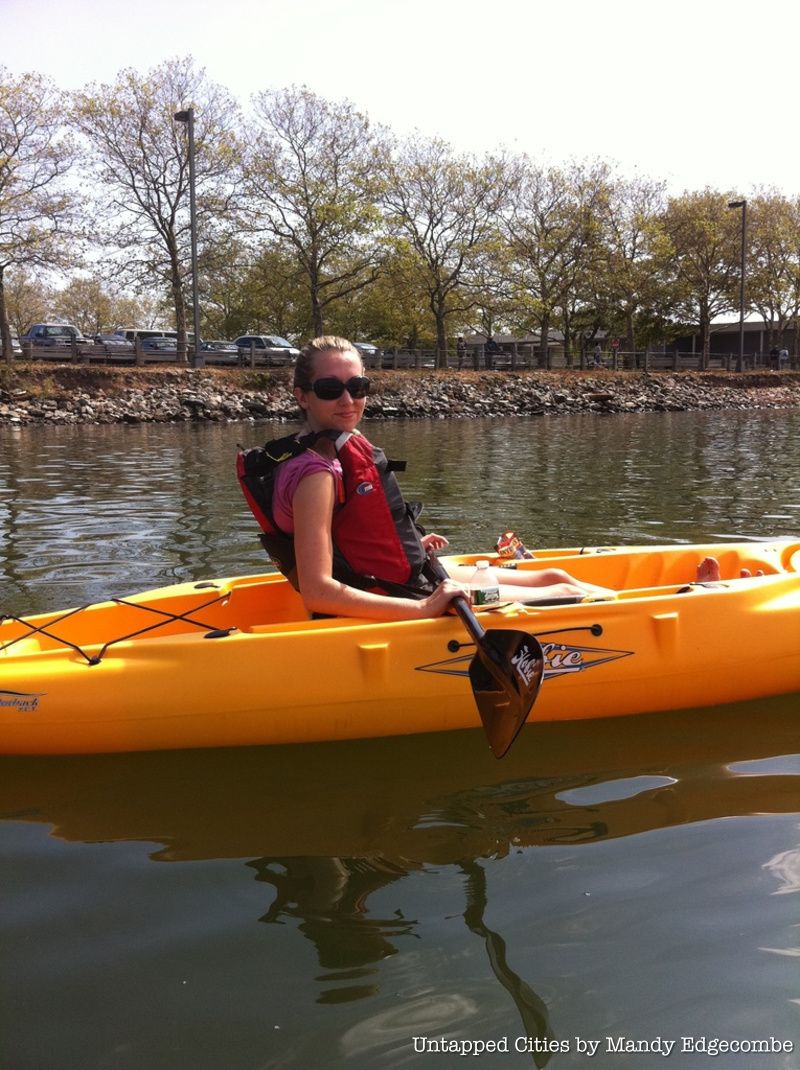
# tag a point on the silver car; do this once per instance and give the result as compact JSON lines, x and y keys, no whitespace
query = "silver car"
{"x":268,"y":349}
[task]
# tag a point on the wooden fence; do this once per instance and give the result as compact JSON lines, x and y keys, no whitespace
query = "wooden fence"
{"x":510,"y":358}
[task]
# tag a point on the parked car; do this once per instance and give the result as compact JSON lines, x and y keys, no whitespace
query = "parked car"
{"x":52,"y":334}
{"x":222,"y":352}
{"x":219,"y":345}
{"x":159,"y":347}
{"x":370,"y":353}
{"x":130,"y":334}
{"x":118,"y":341}
{"x":16,"y":348}
{"x":269,"y":348}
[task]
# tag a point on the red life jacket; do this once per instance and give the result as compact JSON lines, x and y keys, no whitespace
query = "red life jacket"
{"x":376,"y":539}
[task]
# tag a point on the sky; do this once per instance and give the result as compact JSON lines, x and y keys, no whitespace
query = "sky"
{"x":695,"y":92}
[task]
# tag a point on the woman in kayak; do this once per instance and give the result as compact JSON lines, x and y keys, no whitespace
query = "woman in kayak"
{"x":331,"y":390}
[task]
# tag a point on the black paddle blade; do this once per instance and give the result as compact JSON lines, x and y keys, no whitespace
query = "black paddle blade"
{"x":506,"y":674}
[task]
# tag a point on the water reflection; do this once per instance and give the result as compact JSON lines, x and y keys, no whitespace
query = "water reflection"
{"x":532,"y":1009}
{"x":328,"y":828}
{"x":329,"y":896}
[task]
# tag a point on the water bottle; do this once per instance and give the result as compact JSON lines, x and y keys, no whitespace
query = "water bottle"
{"x":483,"y":586}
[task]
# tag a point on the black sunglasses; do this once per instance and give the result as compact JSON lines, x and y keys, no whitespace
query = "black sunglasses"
{"x":331,"y":389}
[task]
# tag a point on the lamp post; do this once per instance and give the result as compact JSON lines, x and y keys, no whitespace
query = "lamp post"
{"x":743,"y":205}
{"x":187,"y":117}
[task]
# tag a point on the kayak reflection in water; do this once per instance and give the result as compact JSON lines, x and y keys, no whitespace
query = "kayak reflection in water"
{"x":332,"y":498}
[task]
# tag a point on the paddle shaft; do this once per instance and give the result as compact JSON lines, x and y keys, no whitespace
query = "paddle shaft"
{"x":472,"y":624}
{"x":460,"y":603}
{"x":505,"y":673}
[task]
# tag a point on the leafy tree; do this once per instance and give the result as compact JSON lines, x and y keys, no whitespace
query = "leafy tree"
{"x":393,"y":311}
{"x":36,"y":208}
{"x":773,"y":267}
{"x":442,"y":208}
{"x":138,"y":155}
{"x":704,"y":236}
{"x":633,"y":279}
{"x":313,"y":176}
{"x":549,"y":226}
{"x":28,"y":299}
{"x":259,"y":291}
{"x":93,"y":305}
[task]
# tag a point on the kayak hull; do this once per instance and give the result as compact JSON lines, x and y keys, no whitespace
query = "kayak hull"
{"x":236,"y":662}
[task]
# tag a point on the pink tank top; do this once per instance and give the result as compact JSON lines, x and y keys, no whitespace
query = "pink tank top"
{"x":287,"y":480}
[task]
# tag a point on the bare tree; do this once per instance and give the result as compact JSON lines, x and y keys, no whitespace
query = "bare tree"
{"x":138,"y":155}
{"x":313,"y":176}
{"x":442,"y":209}
{"x":36,"y":208}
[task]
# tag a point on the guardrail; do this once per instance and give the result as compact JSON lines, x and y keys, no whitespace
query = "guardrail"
{"x":135,"y":354}
{"x":519,"y":358}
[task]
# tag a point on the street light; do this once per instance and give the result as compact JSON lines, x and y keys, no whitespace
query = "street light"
{"x":187,"y":117}
{"x":743,"y":205}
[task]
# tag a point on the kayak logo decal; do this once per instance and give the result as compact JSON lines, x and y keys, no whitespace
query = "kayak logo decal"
{"x":560,"y":659}
{"x":524,"y":661}
{"x":24,"y":701}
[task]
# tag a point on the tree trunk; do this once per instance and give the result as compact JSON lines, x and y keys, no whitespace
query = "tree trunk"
{"x":705,"y":337}
{"x":567,"y":341}
{"x":314,"y":289}
{"x":5,"y":330}
{"x":630,"y":339}
{"x":316,"y":313}
{"x":544,"y":341}
{"x":180,"y":308}
{"x":441,"y":338}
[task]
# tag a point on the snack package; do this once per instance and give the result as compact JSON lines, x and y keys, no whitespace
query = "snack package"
{"x":509,"y":545}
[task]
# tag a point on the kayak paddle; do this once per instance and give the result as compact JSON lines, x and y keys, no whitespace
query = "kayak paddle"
{"x":506,"y":673}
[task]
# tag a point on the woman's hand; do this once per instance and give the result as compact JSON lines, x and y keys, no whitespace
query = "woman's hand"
{"x":434,"y":542}
{"x":438,"y":602}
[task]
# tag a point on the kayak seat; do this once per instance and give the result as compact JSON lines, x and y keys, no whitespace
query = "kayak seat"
{"x":755,"y":566}
{"x":790,"y":559}
{"x":658,"y":570}
{"x":733,"y":562}
{"x":259,"y":604}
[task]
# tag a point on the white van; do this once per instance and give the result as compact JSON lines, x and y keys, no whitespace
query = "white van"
{"x":132,"y":333}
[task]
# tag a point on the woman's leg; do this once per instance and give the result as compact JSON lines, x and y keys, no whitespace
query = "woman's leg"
{"x":547,"y":582}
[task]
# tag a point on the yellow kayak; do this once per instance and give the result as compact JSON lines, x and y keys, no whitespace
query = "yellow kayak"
{"x":233,"y":662}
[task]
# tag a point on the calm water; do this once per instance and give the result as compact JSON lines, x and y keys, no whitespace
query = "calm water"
{"x":324,"y":905}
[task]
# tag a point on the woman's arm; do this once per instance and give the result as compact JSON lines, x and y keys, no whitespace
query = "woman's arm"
{"x":312,"y":507}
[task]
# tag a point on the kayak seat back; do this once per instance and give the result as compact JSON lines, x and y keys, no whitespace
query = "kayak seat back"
{"x":657,"y":570}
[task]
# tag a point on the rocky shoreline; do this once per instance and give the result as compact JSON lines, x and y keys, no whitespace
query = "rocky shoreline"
{"x":66,"y":394}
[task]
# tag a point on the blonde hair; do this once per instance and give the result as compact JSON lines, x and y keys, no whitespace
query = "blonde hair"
{"x":304,"y":365}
